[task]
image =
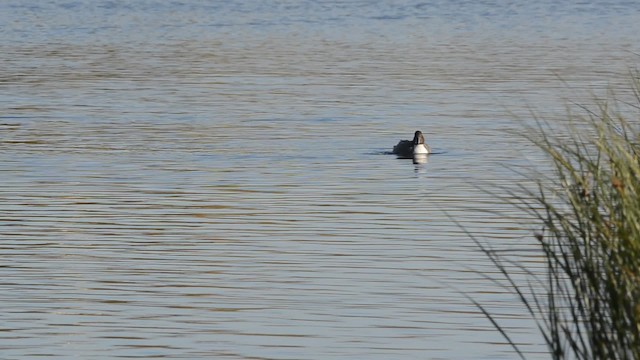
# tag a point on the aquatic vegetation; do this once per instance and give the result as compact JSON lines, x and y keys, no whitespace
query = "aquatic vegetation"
{"x":586,"y":302}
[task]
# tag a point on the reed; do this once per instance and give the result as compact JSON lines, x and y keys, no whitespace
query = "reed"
{"x":586,"y":303}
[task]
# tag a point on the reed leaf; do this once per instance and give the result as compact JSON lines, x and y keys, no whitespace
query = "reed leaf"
{"x":588,"y":306}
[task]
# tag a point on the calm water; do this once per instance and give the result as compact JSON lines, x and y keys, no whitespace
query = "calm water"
{"x":197,"y":179}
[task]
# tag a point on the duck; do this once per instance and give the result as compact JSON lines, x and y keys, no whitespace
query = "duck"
{"x":409,"y":149}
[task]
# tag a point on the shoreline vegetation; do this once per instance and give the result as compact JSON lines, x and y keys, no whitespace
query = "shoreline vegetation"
{"x":586,"y":301}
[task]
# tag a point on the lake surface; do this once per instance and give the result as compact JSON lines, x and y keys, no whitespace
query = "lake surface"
{"x":195,"y":179}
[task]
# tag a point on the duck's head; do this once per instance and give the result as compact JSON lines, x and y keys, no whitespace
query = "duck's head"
{"x":418,"y":138}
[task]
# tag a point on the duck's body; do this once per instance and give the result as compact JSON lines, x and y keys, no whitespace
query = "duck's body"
{"x":404,"y":149}
{"x":410,"y":149}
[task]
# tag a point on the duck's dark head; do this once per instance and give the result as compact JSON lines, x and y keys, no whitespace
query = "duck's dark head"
{"x":418,"y":138}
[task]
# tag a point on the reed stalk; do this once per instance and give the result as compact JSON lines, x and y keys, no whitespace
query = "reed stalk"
{"x":587,"y":302}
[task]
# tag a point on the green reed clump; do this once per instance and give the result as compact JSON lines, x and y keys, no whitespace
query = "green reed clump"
{"x":587,"y":303}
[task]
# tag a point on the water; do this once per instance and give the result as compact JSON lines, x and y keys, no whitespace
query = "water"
{"x":209,"y":180}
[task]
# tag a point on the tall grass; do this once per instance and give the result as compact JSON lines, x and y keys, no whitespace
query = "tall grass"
{"x":587,"y":301}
